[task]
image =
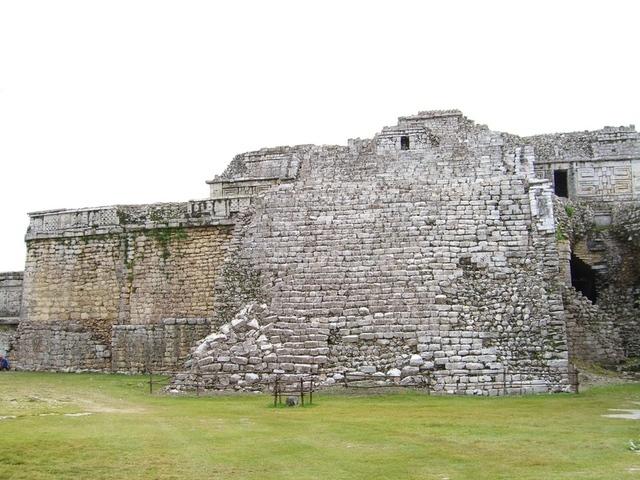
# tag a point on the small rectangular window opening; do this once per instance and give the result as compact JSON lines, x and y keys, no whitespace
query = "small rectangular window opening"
{"x":404,"y":142}
{"x":560,"y":185}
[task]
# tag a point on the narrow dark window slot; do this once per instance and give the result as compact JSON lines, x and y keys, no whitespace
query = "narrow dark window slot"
{"x":560,"y":184}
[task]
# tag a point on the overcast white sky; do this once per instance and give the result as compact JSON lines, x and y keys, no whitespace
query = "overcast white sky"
{"x":142,"y":101}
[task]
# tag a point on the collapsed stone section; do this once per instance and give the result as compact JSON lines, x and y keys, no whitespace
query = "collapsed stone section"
{"x":239,"y":354}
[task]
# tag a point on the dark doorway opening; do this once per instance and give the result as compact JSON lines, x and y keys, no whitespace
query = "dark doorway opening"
{"x":560,"y":184}
{"x":404,"y":143}
{"x":583,"y":278}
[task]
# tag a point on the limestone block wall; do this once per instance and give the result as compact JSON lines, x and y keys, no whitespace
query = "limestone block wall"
{"x":171,"y":273}
{"x":84,"y":285}
{"x":65,"y":346}
{"x":439,"y":260}
{"x":74,"y":280}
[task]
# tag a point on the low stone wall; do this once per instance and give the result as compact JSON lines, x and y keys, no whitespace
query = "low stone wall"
{"x":72,"y":346}
{"x":61,"y":346}
{"x":156,"y":348}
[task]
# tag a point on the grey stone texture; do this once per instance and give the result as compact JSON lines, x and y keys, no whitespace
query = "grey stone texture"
{"x":428,"y":254}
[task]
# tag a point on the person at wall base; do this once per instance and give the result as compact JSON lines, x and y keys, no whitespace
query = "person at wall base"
{"x":4,"y":363}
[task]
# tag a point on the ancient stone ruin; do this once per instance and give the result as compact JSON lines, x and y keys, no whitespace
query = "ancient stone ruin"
{"x":438,"y":249}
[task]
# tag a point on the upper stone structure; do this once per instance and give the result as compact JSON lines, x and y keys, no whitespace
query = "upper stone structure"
{"x":428,"y":253}
{"x":601,"y":167}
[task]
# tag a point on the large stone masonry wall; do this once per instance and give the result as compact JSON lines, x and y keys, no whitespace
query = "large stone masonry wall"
{"x":90,"y":275}
{"x":437,"y":261}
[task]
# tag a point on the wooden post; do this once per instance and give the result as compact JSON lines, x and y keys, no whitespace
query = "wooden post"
{"x":310,"y":391}
{"x":428,"y":382}
{"x":301,"y":392}
{"x":275,"y":393}
{"x":504,"y":381}
{"x":150,"y":382}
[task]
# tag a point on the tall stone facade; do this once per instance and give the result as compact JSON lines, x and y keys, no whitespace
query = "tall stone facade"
{"x":429,"y":253}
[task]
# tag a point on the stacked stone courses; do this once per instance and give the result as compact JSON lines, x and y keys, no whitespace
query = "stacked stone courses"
{"x":425,"y":255}
{"x":420,"y":262}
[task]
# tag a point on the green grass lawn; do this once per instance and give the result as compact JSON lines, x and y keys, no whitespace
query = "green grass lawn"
{"x":131,"y":434}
